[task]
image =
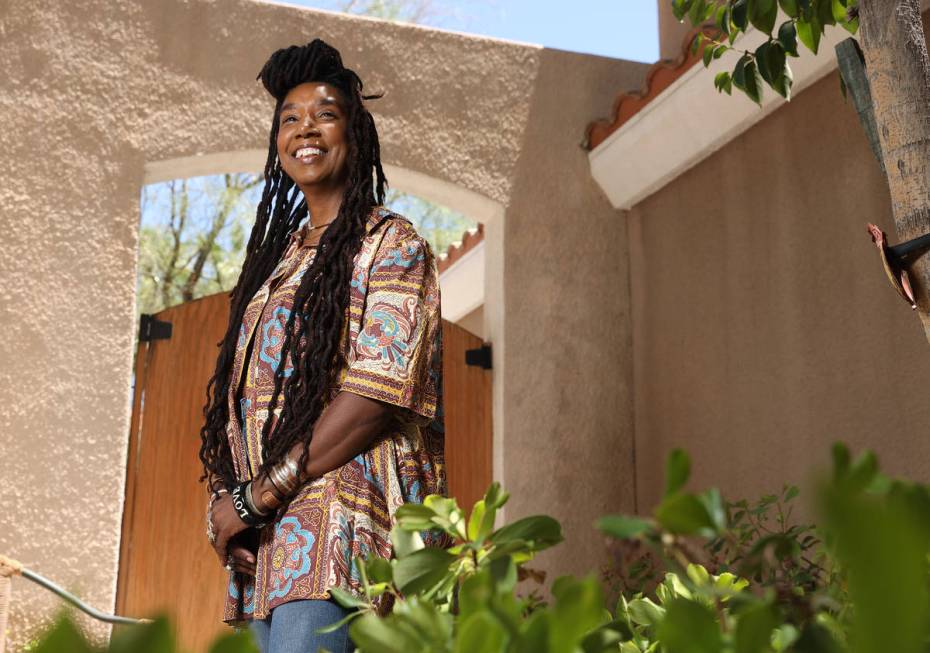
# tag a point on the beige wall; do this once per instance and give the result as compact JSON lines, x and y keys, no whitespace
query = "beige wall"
{"x":671,"y":31}
{"x":764,"y":328}
{"x":93,"y":92}
{"x":567,"y":343}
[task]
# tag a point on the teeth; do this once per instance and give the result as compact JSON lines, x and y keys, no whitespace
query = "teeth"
{"x":308,"y":151}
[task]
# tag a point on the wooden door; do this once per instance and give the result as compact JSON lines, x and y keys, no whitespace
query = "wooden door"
{"x":166,"y":564}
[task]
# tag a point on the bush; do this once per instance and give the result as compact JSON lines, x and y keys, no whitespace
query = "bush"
{"x":721,"y":577}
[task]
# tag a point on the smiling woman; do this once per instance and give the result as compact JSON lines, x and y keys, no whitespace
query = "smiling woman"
{"x":323,"y":414}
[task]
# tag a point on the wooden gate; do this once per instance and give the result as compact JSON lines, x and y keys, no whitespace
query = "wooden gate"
{"x":166,"y":564}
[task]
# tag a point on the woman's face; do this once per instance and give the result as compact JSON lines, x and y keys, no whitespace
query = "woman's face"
{"x":312,"y":145}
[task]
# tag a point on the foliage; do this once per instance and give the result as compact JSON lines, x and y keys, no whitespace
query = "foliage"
{"x":733,"y":578}
{"x":193,"y":234}
{"x":767,"y":64}
{"x":192,"y":238}
{"x":763,"y":583}
{"x":155,"y":637}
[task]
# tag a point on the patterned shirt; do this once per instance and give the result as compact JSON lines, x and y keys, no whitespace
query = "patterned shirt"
{"x":392,"y":351}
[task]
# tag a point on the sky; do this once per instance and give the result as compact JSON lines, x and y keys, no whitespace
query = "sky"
{"x":623,"y":29}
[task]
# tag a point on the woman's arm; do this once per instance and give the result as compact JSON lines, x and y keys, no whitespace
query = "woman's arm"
{"x":346,"y":428}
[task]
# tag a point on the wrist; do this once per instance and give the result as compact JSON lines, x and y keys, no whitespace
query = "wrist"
{"x":247,"y":511}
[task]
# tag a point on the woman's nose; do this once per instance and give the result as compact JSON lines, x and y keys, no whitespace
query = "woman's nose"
{"x":308,"y":124}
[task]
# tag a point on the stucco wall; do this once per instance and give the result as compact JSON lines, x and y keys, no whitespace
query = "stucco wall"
{"x":568,"y":353}
{"x":92,"y":92}
{"x":764,"y":327}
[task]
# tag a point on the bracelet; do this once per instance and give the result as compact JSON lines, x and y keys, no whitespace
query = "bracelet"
{"x":285,"y":477}
{"x":242,"y":502}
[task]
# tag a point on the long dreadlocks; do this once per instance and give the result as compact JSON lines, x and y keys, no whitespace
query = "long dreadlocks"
{"x":312,"y":341}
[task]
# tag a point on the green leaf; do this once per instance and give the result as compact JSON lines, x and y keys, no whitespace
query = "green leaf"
{"x":722,"y":19}
{"x":421,"y":570}
{"x":839,"y":11}
{"x":677,"y":471}
{"x":331,"y":628}
{"x":696,"y":43}
{"x":790,"y":7}
{"x":65,"y":636}
{"x":539,"y":532}
{"x":809,"y":33}
{"x":406,"y":542}
{"x":480,"y":631}
{"x":447,"y":515}
{"x":689,"y":627}
{"x":788,"y":37}
{"x":754,"y":628}
{"x":578,"y":609}
{"x":784,"y":637}
{"x":474,"y":522}
{"x":713,"y":502}
{"x":601,"y":639}
{"x":739,"y":14}
{"x":746,"y":77}
{"x":415,"y":517}
{"x":623,"y":527}
{"x":762,"y":14}
{"x":708,"y":55}
{"x":240,"y":642}
{"x":370,"y":633}
{"x":825,"y":12}
{"x":347,"y":599}
{"x":721,"y":79}
{"x":504,"y":572}
{"x":684,"y":514}
{"x":680,"y":8}
{"x":644,"y":612}
{"x":841,"y":458}
{"x":156,"y":637}
{"x":698,"y":574}
{"x":378,"y":569}
{"x":696,"y":13}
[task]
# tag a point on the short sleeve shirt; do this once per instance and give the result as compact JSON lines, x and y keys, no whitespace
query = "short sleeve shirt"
{"x":392,"y":352}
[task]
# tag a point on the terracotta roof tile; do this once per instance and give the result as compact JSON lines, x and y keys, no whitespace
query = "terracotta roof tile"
{"x":470,"y":239}
{"x":660,"y":76}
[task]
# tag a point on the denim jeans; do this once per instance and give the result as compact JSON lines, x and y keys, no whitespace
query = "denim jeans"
{"x":291,"y":628}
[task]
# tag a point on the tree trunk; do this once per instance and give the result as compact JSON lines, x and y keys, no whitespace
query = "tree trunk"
{"x":898,"y":70}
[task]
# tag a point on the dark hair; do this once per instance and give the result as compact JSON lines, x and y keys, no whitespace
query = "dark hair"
{"x":313,"y":333}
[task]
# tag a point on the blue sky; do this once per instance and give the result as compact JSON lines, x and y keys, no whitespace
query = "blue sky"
{"x":624,"y":29}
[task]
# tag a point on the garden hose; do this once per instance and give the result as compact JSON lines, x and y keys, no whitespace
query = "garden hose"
{"x":10,"y":568}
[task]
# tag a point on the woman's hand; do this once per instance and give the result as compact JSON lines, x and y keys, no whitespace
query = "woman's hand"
{"x":226,"y":525}
{"x":241,"y":556}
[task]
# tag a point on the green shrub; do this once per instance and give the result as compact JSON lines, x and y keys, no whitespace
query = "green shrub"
{"x":723,"y":577}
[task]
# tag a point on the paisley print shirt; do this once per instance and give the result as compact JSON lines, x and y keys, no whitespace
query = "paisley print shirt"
{"x":392,"y":351}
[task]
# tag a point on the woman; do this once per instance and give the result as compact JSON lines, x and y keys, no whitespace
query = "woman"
{"x":334,"y":331}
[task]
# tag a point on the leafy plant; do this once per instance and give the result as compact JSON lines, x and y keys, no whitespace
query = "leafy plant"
{"x":156,"y":637}
{"x":736,"y":578}
{"x":768,"y":63}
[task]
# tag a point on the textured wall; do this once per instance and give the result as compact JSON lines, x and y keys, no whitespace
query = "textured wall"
{"x":568,"y":357}
{"x":764,"y":327}
{"x":92,"y":91}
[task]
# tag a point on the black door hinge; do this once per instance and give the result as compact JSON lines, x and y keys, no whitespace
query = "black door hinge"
{"x":152,"y":329}
{"x":480,"y":357}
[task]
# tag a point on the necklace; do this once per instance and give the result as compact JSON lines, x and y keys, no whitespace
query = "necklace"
{"x":320,"y":226}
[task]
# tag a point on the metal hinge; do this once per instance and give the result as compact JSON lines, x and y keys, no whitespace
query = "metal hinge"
{"x":480,"y":357}
{"x":152,"y":329}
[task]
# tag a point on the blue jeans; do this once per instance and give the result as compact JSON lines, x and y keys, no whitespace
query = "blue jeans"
{"x":291,"y":628}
